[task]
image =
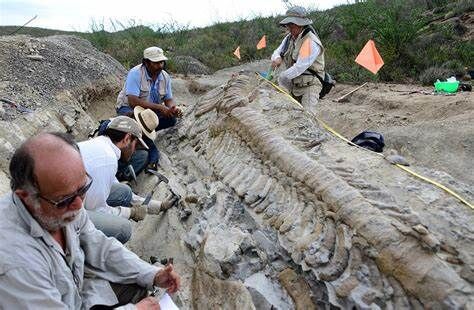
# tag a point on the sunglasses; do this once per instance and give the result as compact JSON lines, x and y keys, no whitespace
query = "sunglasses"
{"x":67,"y":201}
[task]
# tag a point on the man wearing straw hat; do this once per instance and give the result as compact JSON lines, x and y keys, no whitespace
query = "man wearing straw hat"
{"x":303,"y":54}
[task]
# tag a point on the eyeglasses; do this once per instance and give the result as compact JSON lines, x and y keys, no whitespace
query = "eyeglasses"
{"x":67,"y":201}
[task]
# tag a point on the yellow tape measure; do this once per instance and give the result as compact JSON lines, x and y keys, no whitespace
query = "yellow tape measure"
{"x":328,"y":128}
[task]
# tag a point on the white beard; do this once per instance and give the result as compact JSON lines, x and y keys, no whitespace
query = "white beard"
{"x":53,"y":224}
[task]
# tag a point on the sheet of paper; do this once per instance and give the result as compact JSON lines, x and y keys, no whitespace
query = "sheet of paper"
{"x":166,"y":303}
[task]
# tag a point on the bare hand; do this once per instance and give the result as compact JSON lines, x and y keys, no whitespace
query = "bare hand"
{"x":276,"y":63}
{"x":177,"y":112}
{"x":165,"y":112}
{"x":149,"y":303}
{"x":168,"y":279}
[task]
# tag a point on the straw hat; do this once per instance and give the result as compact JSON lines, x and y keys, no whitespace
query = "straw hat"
{"x":148,"y":121}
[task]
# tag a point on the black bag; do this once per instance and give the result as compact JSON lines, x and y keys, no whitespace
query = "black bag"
{"x":328,"y":83}
{"x":100,"y":130}
{"x":370,"y":140}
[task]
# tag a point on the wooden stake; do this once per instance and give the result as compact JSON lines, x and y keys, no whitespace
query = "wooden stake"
{"x":340,"y":99}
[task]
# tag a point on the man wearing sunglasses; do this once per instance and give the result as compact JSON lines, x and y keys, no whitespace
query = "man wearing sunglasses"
{"x":111,"y":204}
{"x":51,"y":255}
{"x":148,"y":85}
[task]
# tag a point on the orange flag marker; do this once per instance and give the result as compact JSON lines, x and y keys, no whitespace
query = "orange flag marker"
{"x":305,"y":49}
{"x":237,"y":52}
{"x":262,"y":43}
{"x":369,"y":58}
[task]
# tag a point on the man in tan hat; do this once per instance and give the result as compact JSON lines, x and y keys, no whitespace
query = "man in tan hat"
{"x":148,"y":85}
{"x":303,"y":55}
{"x":111,"y":204}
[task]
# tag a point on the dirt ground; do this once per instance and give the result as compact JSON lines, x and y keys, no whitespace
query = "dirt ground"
{"x":436,"y":131}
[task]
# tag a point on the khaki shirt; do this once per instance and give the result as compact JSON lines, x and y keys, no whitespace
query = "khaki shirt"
{"x":35,"y":273}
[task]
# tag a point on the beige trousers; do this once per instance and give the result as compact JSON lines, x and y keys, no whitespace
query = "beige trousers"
{"x":308,"y":96}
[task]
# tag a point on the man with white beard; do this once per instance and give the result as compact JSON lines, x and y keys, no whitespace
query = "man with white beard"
{"x":51,"y":255}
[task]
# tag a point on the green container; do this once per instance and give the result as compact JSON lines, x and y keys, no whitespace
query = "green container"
{"x":447,"y":87}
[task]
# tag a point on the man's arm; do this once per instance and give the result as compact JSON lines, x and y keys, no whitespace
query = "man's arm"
{"x":276,"y":58}
{"x":169,"y":102}
{"x":109,"y":259}
{"x":302,"y":63}
{"x":28,"y":288}
{"x":134,"y":101}
{"x":96,"y":197}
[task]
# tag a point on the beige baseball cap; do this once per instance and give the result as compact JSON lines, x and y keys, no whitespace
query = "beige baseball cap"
{"x":154,"y":54}
{"x":128,"y":125}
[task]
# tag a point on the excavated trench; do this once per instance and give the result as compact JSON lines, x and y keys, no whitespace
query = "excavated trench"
{"x":275,"y":212}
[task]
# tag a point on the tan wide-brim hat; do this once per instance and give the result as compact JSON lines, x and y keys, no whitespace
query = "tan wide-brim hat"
{"x":154,"y":54}
{"x":296,"y":15}
{"x":148,"y":121}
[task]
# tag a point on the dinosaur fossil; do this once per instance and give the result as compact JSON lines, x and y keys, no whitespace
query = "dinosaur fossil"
{"x":350,"y":218}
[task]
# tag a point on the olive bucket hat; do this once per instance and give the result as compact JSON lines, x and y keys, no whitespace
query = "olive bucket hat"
{"x":296,"y":15}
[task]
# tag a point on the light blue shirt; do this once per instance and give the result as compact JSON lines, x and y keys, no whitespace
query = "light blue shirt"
{"x":133,"y":85}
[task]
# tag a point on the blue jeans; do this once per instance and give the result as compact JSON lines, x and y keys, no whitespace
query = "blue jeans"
{"x":113,"y":225}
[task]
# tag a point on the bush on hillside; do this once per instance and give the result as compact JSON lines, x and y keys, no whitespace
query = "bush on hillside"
{"x":409,"y":45}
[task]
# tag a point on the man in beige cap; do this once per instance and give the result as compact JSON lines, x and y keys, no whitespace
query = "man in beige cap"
{"x":148,"y":85}
{"x":303,"y":54}
{"x":142,"y":157}
{"x":111,"y":204}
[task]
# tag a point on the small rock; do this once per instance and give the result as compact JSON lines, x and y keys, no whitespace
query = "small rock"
{"x":397,"y":160}
{"x":35,"y":57}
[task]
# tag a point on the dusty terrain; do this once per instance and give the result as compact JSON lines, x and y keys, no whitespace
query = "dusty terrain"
{"x":277,"y":212}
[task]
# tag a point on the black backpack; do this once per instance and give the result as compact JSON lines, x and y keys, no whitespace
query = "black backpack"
{"x":100,"y":130}
{"x":370,"y":140}
{"x":327,"y":82}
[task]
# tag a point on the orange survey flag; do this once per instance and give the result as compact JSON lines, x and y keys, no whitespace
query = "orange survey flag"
{"x":369,"y":58}
{"x":305,"y":49}
{"x":237,"y":52}
{"x":262,"y":43}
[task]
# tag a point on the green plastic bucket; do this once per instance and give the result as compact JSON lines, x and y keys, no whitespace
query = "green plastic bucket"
{"x":447,"y":87}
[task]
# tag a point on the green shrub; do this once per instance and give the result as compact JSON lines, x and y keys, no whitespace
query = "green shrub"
{"x":411,"y":48}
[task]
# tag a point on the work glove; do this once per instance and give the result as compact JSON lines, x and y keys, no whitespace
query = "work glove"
{"x":138,"y":213}
{"x":155,"y":206}
{"x":169,"y":202}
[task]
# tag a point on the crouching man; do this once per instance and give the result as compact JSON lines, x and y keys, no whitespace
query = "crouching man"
{"x":51,"y":255}
{"x":111,"y":204}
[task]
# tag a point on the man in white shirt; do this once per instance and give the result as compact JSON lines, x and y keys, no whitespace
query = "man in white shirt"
{"x":52,"y":256}
{"x":303,"y":54}
{"x":111,"y":204}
